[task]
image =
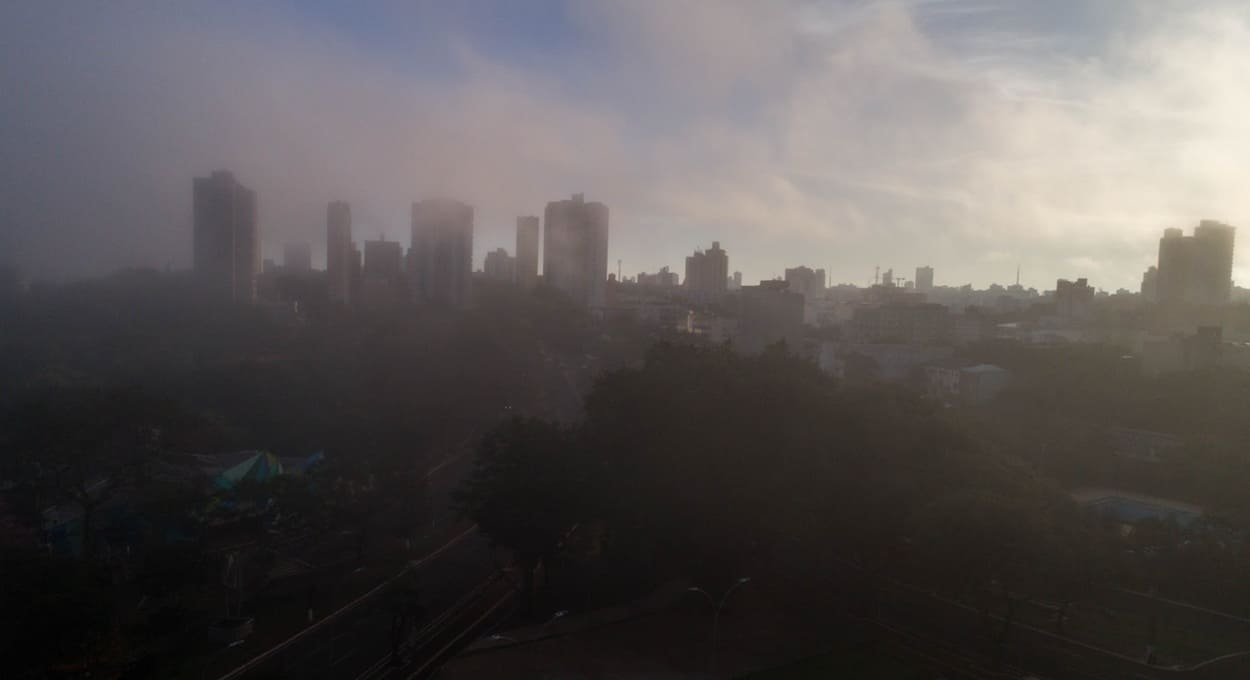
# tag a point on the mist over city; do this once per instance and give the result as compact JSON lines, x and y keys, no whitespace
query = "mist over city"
{"x":625,"y":339}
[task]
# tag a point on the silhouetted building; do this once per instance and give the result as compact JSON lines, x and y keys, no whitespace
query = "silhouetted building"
{"x":382,"y":280}
{"x":924,"y":279}
{"x":707,"y":273}
{"x":1150,"y":285}
{"x":1196,"y":269}
{"x":661,"y":279}
{"x":383,"y":260}
{"x":297,"y":257}
{"x":226,"y":237}
{"x":500,"y":266}
{"x":526,"y":251}
{"x":441,"y":258}
{"x":1074,"y":299}
{"x":808,"y":282}
{"x":737,"y":280}
{"x":770,"y":313}
{"x":575,"y":249}
{"x":339,"y":252}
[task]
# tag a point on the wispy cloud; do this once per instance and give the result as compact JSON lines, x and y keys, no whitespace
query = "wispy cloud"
{"x":844,"y":133}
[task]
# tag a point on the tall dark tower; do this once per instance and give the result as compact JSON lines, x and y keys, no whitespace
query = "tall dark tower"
{"x":526,"y":251}
{"x":226,"y":238}
{"x":440,"y":261}
{"x":575,"y":249}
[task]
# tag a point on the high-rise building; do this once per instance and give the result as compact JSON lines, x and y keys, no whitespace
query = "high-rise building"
{"x":383,"y":260}
{"x":500,"y":266}
{"x":1150,"y":284}
{"x":924,"y":278}
{"x":1074,"y":299}
{"x":575,"y":249}
{"x":440,"y":262}
{"x":226,"y":237}
{"x":1196,"y":269}
{"x":339,"y":252}
{"x":526,"y":251}
{"x":1214,"y":274}
{"x":297,"y":257}
{"x":661,"y":279}
{"x":382,"y":280}
{"x":808,"y":282}
{"x":737,"y":280}
{"x":707,"y":273}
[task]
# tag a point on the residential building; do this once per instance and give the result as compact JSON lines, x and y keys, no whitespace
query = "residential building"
{"x":1196,"y":269}
{"x":575,"y":249}
{"x":1074,"y":300}
{"x":382,"y":275}
{"x":1150,"y":284}
{"x":707,"y":273}
{"x":808,"y":282}
{"x":924,"y":279}
{"x":441,"y":257}
{"x":527,"y":251}
{"x":661,"y":279}
{"x":500,"y":266}
{"x":226,"y":238}
{"x":339,"y":252}
{"x":383,"y":260}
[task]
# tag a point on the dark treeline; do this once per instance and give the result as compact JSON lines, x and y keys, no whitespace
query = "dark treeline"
{"x":705,"y":465}
{"x":107,"y":386}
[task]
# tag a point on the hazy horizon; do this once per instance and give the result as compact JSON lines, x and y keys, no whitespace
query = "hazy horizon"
{"x":965,"y":135}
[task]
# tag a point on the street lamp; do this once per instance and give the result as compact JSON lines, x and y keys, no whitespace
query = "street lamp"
{"x":717,"y":607}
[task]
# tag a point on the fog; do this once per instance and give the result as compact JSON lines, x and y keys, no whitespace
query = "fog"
{"x":968,"y":136}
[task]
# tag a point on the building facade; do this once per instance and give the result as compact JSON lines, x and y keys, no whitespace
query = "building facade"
{"x":226,"y":238}
{"x":707,"y":273}
{"x":924,"y":279}
{"x":1074,"y":300}
{"x":575,"y":249}
{"x":527,"y":251}
{"x":440,"y":262}
{"x":808,"y":282}
{"x":500,"y":266}
{"x":1196,"y":269}
{"x":339,"y":255}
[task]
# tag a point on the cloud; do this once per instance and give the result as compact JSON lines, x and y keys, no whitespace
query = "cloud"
{"x":835,"y":134}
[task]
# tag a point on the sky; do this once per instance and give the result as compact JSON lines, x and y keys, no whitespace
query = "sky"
{"x":972,"y":136}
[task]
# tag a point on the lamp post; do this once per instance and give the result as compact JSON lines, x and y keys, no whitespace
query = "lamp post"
{"x":717,"y":606}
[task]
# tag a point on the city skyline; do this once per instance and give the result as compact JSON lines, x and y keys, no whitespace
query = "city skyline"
{"x":939,"y":148}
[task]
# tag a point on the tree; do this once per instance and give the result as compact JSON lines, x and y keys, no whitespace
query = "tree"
{"x":525,"y":491}
{"x":80,"y":447}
